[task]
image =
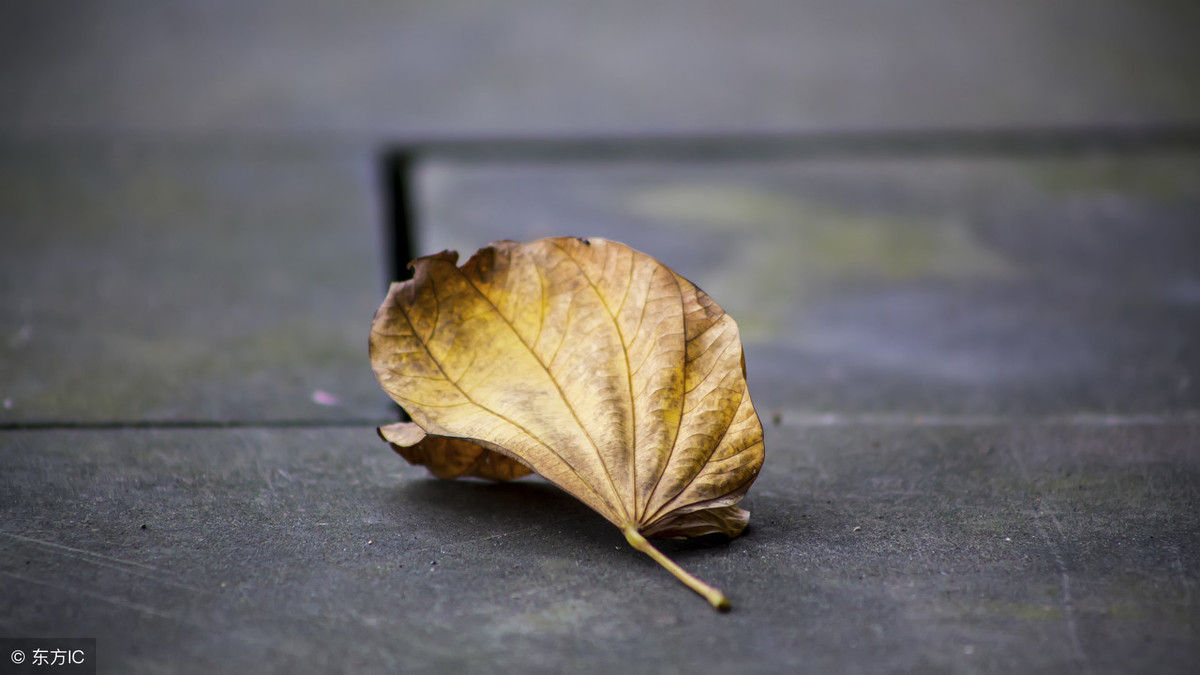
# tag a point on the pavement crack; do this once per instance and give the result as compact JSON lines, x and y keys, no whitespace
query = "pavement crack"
{"x":1040,"y":510}
{"x":140,"y":608}
{"x":125,"y":566}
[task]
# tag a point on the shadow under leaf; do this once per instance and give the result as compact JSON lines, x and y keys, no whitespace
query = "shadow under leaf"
{"x":530,"y":503}
{"x":518,"y":499}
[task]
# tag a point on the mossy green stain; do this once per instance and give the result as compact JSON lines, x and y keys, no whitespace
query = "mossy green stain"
{"x":789,"y":247}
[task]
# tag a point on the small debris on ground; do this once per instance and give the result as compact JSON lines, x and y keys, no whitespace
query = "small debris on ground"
{"x":322,"y":397}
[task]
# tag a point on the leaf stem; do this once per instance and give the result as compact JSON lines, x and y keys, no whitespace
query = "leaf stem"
{"x":715,"y":597}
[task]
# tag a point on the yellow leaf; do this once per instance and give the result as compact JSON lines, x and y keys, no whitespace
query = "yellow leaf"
{"x":450,"y":457}
{"x":592,"y":364}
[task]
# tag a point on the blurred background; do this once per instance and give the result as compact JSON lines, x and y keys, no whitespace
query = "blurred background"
{"x":372,"y":70}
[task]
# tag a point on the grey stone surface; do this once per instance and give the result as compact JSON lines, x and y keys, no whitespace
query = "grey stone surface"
{"x":151,"y":284}
{"x":905,"y":286}
{"x":978,"y":376}
{"x":417,"y":68}
{"x":874,"y":548}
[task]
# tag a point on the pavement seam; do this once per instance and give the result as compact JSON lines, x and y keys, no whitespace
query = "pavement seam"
{"x":112,"y":425}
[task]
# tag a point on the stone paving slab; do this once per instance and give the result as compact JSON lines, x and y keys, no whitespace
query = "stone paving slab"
{"x":1032,"y":548}
{"x":897,"y":286}
{"x":372,"y":69}
{"x":977,"y":376}
{"x":154,"y":284}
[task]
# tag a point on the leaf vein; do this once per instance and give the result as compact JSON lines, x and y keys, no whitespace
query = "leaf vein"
{"x":561,"y":393}
{"x":682,"y":399}
{"x":527,"y":432}
{"x":633,"y":423}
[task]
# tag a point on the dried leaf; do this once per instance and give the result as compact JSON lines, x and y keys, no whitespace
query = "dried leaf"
{"x":450,"y":457}
{"x":592,"y":364}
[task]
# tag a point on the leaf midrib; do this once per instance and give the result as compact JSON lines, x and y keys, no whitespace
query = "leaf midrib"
{"x":446,"y":376}
{"x":633,"y":482}
{"x":562,"y":395}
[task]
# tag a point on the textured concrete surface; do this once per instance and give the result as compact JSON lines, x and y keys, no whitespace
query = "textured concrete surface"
{"x":902,"y":548}
{"x":534,"y":67}
{"x":977,"y":371}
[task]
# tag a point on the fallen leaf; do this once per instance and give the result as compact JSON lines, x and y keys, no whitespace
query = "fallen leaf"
{"x":592,"y":364}
{"x":450,"y":457}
